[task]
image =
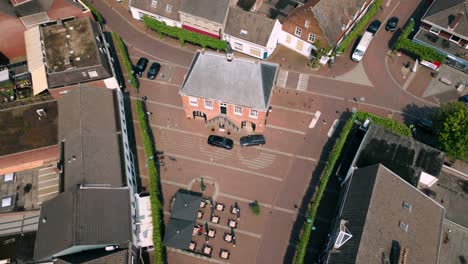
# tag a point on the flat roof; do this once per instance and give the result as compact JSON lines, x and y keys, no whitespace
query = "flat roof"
{"x":25,"y":131}
{"x":454,"y":243}
{"x":69,"y":45}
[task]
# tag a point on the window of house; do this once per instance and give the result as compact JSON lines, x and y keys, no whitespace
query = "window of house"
{"x":404,"y":226}
{"x":298,"y":31}
{"x":407,"y":205}
{"x":193,"y":101}
{"x":307,"y":23}
{"x":455,"y":38}
{"x":208,"y":104}
{"x":253,"y":113}
{"x":435,"y":30}
{"x":255,"y":52}
{"x":243,"y":32}
{"x":311,"y":37}
{"x":6,"y":202}
{"x":154,"y":3}
{"x":237,"y":110}
{"x":238,"y":46}
{"x":9,"y":177}
{"x":168,"y":8}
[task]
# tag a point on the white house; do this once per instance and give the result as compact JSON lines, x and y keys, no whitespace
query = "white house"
{"x":251,"y":33}
{"x":166,"y":11}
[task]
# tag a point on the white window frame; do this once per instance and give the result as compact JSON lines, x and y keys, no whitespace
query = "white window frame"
{"x":9,"y":177}
{"x":168,"y":8}
{"x":7,"y":201}
{"x":206,"y":106}
{"x":251,"y":111}
{"x":311,"y":37}
{"x":193,"y":101}
{"x":154,"y":3}
{"x":93,"y":74}
{"x":406,"y":205}
{"x":298,"y":31}
{"x":238,"y":46}
{"x":307,"y":23}
{"x":459,"y":39}
{"x":244,"y":32}
{"x":236,"y":108}
{"x":403,"y":226}
{"x":437,"y":31}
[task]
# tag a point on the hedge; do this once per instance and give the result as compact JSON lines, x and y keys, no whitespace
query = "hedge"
{"x":314,"y":205}
{"x":423,"y":52}
{"x":154,"y":191}
{"x":184,"y":35}
{"x":96,"y":13}
{"x":359,"y":27}
{"x":385,"y":122}
{"x":126,"y":60}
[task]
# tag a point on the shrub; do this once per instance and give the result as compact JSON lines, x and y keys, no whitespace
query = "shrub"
{"x":126,"y":60}
{"x":184,"y":35}
{"x":359,"y":27}
{"x":385,"y":122}
{"x":154,"y":191}
{"x":422,"y":52}
{"x":314,"y":204}
{"x":96,"y":13}
{"x":255,"y":207}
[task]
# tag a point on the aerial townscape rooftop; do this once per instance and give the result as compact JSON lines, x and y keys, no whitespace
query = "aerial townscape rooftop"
{"x":233,"y":131}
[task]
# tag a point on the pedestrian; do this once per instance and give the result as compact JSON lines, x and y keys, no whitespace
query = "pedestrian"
{"x":149,"y":113}
{"x":324,"y":122}
{"x":144,"y":98}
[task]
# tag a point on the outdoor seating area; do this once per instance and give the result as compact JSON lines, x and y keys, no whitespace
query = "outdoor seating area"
{"x":214,"y":230}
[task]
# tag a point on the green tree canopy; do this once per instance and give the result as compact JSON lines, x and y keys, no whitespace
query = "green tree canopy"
{"x":451,"y":126}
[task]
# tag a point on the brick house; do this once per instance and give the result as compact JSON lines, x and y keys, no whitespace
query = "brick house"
{"x":229,"y":96}
{"x":166,"y":11}
{"x":444,"y":27}
{"x":324,"y":22}
{"x":205,"y":17}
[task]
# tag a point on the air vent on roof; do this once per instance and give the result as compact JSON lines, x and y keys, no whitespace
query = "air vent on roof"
{"x":68,"y":36}
{"x":77,"y":59}
{"x":71,"y":52}
{"x":407,"y":205}
{"x":404,"y":226}
{"x":71,"y":28}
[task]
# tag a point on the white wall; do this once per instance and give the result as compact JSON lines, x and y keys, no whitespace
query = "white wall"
{"x":295,"y":43}
{"x":274,"y":37}
{"x":138,"y":14}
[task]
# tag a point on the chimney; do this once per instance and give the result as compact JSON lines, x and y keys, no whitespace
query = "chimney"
{"x":455,"y":21}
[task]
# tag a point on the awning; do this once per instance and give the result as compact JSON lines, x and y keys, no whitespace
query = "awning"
{"x":36,"y":67}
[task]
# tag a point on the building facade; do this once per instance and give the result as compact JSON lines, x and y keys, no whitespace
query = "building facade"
{"x":206,"y":17}
{"x":166,"y":11}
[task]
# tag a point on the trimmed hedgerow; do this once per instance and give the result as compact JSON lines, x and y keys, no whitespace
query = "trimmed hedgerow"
{"x":184,"y":35}
{"x":154,"y":191}
{"x":388,"y":123}
{"x":126,"y":60}
{"x":96,"y":13}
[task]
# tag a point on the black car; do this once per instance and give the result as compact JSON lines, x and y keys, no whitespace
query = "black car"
{"x":464,"y":99}
{"x":141,"y":66}
{"x":426,"y":125}
{"x":252,"y":140}
{"x":392,"y":24}
{"x":153,"y":70}
{"x":374,"y":26}
{"x":222,"y":142}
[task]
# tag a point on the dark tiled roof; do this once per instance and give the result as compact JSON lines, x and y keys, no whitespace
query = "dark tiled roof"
{"x":402,"y":155}
{"x":332,"y":14}
{"x":97,"y":256}
{"x":213,"y":10}
{"x":373,"y":213}
{"x":258,"y":27}
{"x":179,"y":233}
{"x":93,"y":217}
{"x":443,"y":12}
{"x":186,"y":205}
{"x":160,"y":8}
{"x":87,"y":123}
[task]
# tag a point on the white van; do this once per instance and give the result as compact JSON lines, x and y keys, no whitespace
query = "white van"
{"x":362,"y":46}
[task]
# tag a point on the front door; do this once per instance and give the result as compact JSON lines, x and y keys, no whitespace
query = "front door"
{"x":223,"y":108}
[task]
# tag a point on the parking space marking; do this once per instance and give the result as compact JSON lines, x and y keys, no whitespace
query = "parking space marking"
{"x":260,"y":162}
{"x":198,"y":256}
{"x":282,"y":78}
{"x":286,"y":129}
{"x":42,"y":195}
{"x":43,"y":175}
{"x":158,"y":103}
{"x":161,"y":82}
{"x":314,"y":120}
{"x":233,"y":197}
{"x":303,"y":82}
{"x":292,"y":109}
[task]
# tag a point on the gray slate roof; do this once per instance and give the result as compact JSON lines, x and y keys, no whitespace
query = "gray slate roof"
{"x":98,"y":256}
{"x":242,"y":82}
{"x":92,"y":217}
{"x":87,"y":123}
{"x":160,"y":8}
{"x":332,"y":14}
{"x":402,"y":155}
{"x":186,"y":205}
{"x":258,"y":27}
{"x":213,"y":10}
{"x":179,"y":233}
{"x":442,"y":11}
{"x":374,"y":212}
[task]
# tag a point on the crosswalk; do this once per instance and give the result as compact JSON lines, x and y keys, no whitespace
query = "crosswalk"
{"x":282,"y":78}
{"x":262,"y":161}
{"x":303,"y":82}
{"x":48,"y":183}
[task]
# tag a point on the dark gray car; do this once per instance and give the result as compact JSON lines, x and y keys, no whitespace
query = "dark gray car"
{"x":222,"y":142}
{"x":141,"y":66}
{"x":252,"y":140}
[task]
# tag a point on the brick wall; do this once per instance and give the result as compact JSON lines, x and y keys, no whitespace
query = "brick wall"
{"x":235,"y":118}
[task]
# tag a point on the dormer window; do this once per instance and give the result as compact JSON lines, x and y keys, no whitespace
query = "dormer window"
{"x":307,"y":23}
{"x":404,"y":226}
{"x":243,"y":32}
{"x":311,"y":38}
{"x":298,"y":31}
{"x":407,"y":205}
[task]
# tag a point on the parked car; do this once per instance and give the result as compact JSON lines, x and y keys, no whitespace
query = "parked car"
{"x":252,"y":140}
{"x":426,"y":125}
{"x":222,"y":142}
{"x":464,"y":99}
{"x":153,"y":70}
{"x":141,"y":66}
{"x":392,"y":24}
{"x":374,"y":27}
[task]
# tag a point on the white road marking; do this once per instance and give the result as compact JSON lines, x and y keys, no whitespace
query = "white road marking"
{"x":286,"y":129}
{"x":282,"y":78}
{"x":333,"y":127}
{"x":303,"y":82}
{"x":314,"y":120}
{"x":291,"y":109}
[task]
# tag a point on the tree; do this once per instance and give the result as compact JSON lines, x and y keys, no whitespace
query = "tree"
{"x":451,"y":128}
